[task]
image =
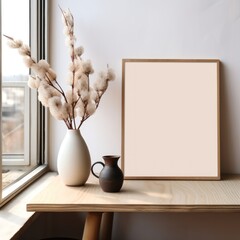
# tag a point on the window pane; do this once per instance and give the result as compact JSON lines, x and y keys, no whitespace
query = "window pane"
{"x":15,"y":23}
{"x":15,"y":101}
{"x":12,"y":120}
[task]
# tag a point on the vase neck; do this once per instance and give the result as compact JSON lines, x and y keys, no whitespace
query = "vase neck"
{"x":73,"y":131}
{"x":111,"y":160}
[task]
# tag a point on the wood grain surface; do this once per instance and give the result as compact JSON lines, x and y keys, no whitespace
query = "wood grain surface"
{"x":141,"y":196}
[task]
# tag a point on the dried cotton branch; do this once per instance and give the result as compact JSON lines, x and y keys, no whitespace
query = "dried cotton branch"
{"x":80,"y":101}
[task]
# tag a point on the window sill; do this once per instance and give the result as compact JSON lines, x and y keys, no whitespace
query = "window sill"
{"x":13,"y":216}
{"x":15,"y":188}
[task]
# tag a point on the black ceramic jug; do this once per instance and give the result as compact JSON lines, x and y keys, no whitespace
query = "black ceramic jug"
{"x":111,"y":176}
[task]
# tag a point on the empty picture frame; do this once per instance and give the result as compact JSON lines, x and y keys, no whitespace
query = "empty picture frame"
{"x":170,"y":119}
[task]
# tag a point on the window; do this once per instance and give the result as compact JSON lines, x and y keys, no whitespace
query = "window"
{"x":22,"y":117}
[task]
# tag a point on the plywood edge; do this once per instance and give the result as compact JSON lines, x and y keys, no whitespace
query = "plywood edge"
{"x":134,"y":208}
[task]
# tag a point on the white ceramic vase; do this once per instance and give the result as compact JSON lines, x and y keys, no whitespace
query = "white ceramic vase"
{"x":74,"y":162}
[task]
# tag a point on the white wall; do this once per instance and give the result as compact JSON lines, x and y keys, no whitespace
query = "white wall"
{"x":112,"y":30}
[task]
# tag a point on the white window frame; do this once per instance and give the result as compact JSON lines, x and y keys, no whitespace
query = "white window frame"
{"x":36,"y":154}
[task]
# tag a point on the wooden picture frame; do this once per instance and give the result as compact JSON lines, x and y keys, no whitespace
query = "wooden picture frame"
{"x":170,"y":124}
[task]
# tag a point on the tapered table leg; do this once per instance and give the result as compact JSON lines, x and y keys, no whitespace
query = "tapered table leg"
{"x":106,"y":226}
{"x":92,"y":226}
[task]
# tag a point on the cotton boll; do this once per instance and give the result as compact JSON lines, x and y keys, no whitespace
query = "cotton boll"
{"x":75,"y":97}
{"x":28,"y":61}
{"x":84,"y":79}
{"x":55,"y":107}
{"x":43,"y":96}
{"x":91,"y":107}
{"x":74,"y":66}
{"x":68,"y":18}
{"x":24,"y":50}
{"x":70,"y":41}
{"x":46,"y":92}
{"x":93,"y":95}
{"x":43,"y":64}
{"x":53,"y":92}
{"x":83,"y":82}
{"x":37,"y":82}
{"x":80,"y":111}
{"x":67,"y":31}
{"x":79,"y":51}
{"x":71,"y":67}
{"x":77,"y":76}
{"x":14,"y":43}
{"x":77,"y":64}
{"x":33,"y":82}
{"x":84,"y":95}
{"x":103,"y":75}
{"x":43,"y":100}
{"x":87,"y":67}
{"x":66,"y":110}
{"x":63,"y":17}
{"x":110,"y":74}
{"x":51,"y":74}
{"x":71,"y":97}
{"x":43,"y":82}
{"x":69,"y":79}
{"x":43,"y":88}
{"x":101,"y":84}
{"x":55,"y":102}
{"x":39,"y":70}
{"x":79,"y":103}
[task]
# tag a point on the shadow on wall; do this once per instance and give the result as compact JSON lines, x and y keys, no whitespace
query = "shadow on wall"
{"x":176,"y":226}
{"x":227,"y":129}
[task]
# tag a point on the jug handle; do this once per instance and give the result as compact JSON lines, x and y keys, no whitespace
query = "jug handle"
{"x":93,"y":167}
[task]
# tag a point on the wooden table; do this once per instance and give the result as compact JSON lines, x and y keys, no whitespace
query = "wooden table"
{"x":137,"y":196}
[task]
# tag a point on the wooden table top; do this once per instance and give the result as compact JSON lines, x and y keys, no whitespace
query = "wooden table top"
{"x":141,"y":196}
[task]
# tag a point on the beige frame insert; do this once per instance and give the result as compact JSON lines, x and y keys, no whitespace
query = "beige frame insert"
{"x":170,"y":124}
